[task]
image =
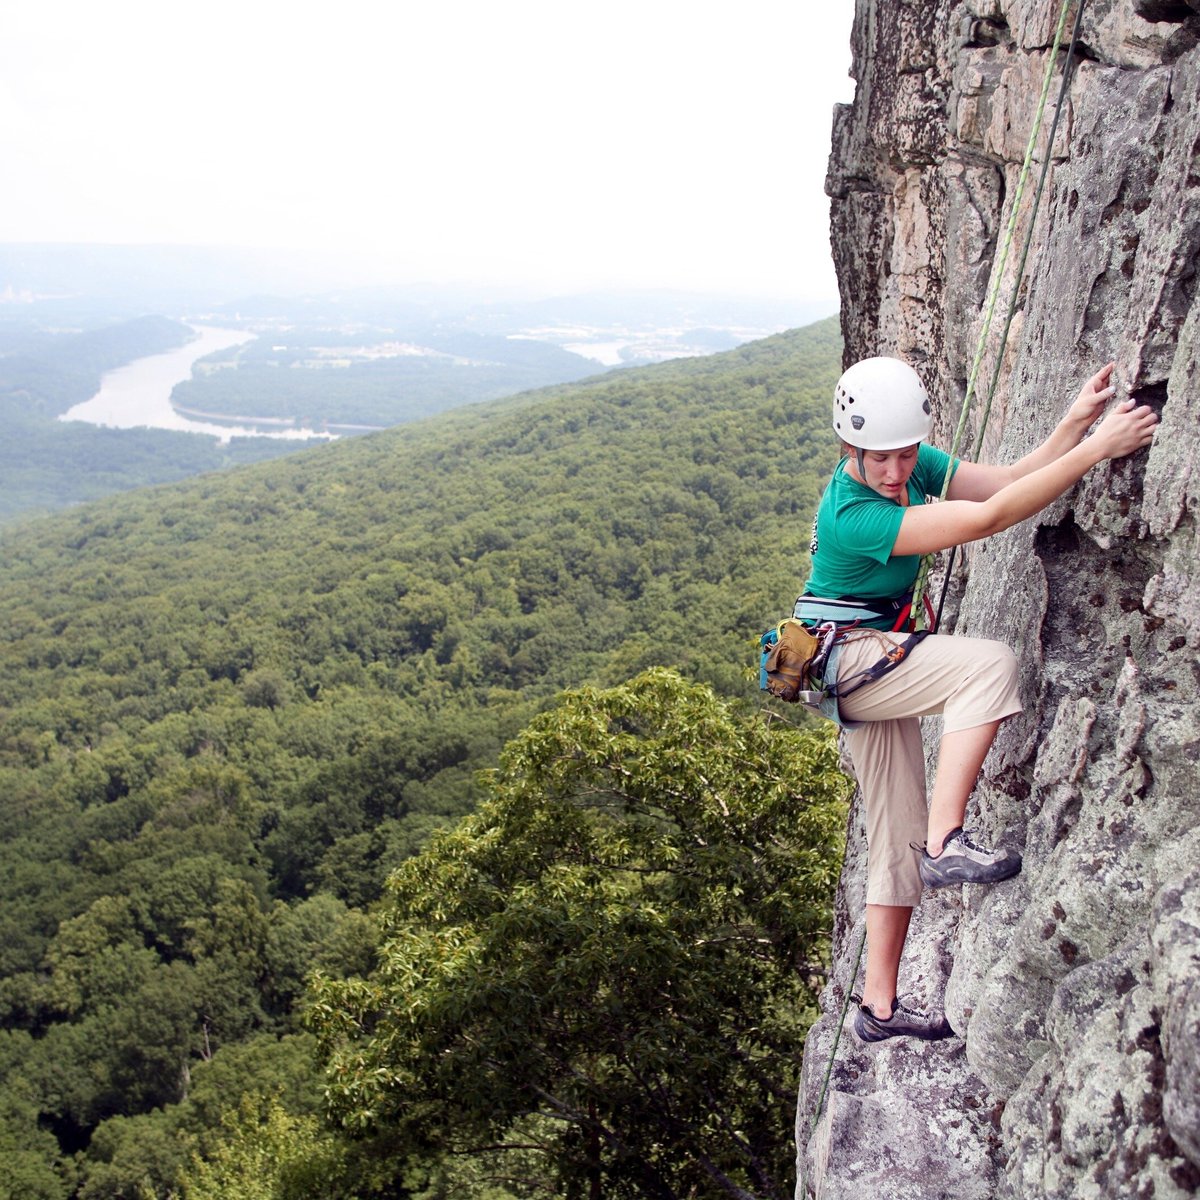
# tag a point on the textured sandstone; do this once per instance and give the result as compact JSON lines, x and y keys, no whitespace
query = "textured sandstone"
{"x":1076,"y":987}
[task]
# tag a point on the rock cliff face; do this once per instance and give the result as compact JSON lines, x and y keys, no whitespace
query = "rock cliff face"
{"x":1075,"y":988}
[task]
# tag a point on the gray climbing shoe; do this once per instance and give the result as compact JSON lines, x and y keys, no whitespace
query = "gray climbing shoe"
{"x":961,"y":861}
{"x":904,"y":1022}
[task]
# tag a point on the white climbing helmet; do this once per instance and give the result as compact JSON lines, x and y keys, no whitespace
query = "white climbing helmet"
{"x":881,"y":404}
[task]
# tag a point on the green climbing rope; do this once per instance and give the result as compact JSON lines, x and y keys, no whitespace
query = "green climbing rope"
{"x":927,"y":561}
{"x":998,"y":275}
{"x":837,"y":1037}
{"x":837,"y":1034}
{"x":1037,"y":200}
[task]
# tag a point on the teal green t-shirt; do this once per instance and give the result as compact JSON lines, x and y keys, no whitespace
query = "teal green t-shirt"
{"x":856,"y":529}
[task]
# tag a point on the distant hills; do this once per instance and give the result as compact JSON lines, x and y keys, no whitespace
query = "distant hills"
{"x":322,"y":357}
{"x":107,"y":282}
{"x":233,"y":704}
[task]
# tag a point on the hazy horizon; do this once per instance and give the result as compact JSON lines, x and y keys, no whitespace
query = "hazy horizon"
{"x":65,"y":286}
{"x":331,"y":271}
{"x":536,"y":148}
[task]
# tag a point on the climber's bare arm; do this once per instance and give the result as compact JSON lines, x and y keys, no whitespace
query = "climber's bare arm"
{"x":931,"y":527}
{"x":981,"y":481}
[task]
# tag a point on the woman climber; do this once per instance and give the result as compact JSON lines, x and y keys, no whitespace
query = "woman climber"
{"x":873,"y":524}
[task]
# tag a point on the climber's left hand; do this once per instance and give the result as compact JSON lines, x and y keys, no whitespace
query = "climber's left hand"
{"x":1092,"y":398}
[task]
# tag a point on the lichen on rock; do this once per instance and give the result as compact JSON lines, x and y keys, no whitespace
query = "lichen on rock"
{"x":1075,"y":988}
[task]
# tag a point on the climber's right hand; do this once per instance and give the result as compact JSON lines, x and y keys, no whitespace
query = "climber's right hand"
{"x":1128,"y":427}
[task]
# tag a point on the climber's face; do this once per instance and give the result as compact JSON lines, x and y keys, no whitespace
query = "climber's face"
{"x":886,"y":471}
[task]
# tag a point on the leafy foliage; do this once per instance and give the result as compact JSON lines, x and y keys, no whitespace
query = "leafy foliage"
{"x":48,"y":373}
{"x":48,"y":464}
{"x":294,"y":381}
{"x":620,"y":940}
{"x":234,"y":706}
{"x":269,"y":1154}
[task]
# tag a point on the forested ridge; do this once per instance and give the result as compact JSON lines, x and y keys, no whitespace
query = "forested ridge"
{"x":233,"y":707}
{"x":294,"y":382}
{"x":48,"y":372}
{"x":46,"y":463}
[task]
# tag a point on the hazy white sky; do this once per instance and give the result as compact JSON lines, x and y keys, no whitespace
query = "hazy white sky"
{"x":655,"y":143}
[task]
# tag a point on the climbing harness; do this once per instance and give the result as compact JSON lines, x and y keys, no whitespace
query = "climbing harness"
{"x":794,"y":656}
{"x":920,"y":601}
{"x":850,"y":610}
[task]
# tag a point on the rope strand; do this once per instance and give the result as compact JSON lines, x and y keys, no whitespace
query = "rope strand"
{"x":927,"y":561}
{"x":998,"y":276}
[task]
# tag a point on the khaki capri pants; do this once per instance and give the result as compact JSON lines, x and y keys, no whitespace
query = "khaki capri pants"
{"x":969,"y":681}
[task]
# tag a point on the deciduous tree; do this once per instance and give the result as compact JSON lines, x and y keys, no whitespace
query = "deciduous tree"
{"x":623,"y":940}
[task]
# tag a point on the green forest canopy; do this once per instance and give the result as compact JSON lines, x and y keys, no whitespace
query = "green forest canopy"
{"x":265,"y":379}
{"x":232,"y":706}
{"x":48,"y":464}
